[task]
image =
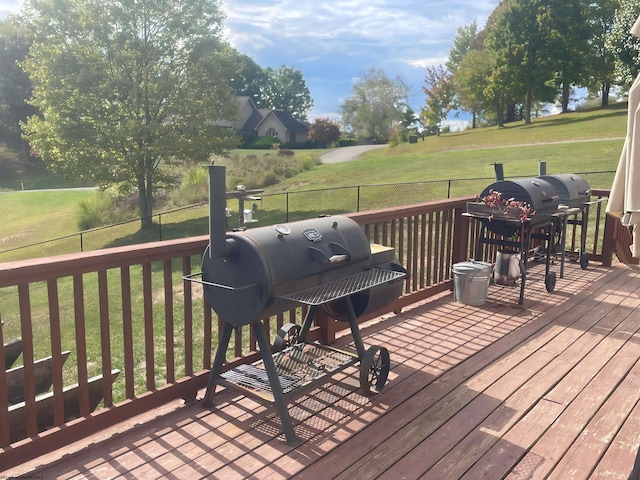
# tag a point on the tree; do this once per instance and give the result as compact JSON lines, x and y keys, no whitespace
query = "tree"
{"x":519,"y":37}
{"x":376,"y":105}
{"x":624,"y":46}
{"x":464,"y":42}
{"x":471,"y":83}
{"x":439,"y":94}
{"x":324,"y":132}
{"x":286,"y":90}
{"x":127,"y":87}
{"x":568,"y":37}
{"x":15,"y":86}
{"x":601,"y":67}
{"x":250,"y":81}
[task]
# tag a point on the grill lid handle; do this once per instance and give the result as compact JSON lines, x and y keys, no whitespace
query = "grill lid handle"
{"x":339,"y":254}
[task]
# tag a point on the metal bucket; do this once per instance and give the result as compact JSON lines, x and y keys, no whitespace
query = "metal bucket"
{"x":508,"y":269}
{"x":471,"y":282}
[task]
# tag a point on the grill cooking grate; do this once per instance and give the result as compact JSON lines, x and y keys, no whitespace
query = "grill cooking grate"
{"x":344,"y":286}
{"x":297,"y":366}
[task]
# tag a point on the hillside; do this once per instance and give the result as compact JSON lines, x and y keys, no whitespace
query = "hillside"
{"x":564,"y":141}
{"x":577,"y":142}
{"x":586,"y":141}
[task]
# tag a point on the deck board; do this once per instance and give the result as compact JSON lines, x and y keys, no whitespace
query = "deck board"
{"x":549,"y":389}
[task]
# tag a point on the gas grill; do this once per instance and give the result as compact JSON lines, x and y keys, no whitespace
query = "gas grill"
{"x":325,"y":263}
{"x":505,"y":228}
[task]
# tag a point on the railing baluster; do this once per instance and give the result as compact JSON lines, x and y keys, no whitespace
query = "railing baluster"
{"x":56,"y":351}
{"x":188,"y":318}
{"x":81,"y":342}
{"x":168,"y":325}
{"x":149,"y":340}
{"x":127,"y":332}
{"x":105,"y":335}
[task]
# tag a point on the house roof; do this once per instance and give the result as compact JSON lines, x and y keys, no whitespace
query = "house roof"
{"x":288,"y":122}
{"x":257,"y":116}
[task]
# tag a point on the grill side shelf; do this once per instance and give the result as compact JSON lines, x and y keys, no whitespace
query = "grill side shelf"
{"x":344,"y":287}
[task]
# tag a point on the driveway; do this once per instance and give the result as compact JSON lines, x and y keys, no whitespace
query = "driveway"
{"x":346,"y":154}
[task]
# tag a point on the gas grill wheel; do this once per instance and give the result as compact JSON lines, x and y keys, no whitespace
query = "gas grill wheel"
{"x":288,"y":335}
{"x":374,"y":369}
{"x":550,"y":281}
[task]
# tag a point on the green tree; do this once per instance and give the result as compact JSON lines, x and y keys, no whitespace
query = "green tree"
{"x":464,"y":42}
{"x":125,"y":88}
{"x":286,"y":90}
{"x":376,"y":105}
{"x":569,"y":36}
{"x":324,"y":132}
{"x":250,"y":81}
{"x":519,"y":38}
{"x":471,"y":83}
{"x":15,"y":86}
{"x":601,"y":66}
{"x":624,"y":46}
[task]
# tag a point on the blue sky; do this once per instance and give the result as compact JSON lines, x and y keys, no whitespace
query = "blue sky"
{"x":332,"y":42}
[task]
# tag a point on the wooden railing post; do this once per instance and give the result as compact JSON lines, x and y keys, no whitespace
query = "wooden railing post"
{"x":461,"y":236}
{"x":609,"y":241}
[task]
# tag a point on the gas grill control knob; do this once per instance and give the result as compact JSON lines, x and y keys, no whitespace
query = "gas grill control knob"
{"x":282,"y":230}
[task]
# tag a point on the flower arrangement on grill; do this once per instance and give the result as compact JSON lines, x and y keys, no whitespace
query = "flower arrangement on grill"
{"x":494,"y":200}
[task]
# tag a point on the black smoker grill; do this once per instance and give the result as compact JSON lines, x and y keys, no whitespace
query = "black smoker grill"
{"x":555,"y":199}
{"x":324,"y":263}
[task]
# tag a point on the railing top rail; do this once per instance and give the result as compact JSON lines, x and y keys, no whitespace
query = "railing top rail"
{"x":40,"y":269}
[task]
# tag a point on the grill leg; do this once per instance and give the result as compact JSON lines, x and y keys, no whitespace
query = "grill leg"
{"x":355,"y":329}
{"x":274,"y":382}
{"x":216,"y":368}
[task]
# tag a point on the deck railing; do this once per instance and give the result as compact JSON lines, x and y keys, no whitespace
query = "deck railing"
{"x":128,"y":312}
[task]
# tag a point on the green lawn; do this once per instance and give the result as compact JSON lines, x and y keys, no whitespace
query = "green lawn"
{"x":34,"y":216}
{"x":578,"y":142}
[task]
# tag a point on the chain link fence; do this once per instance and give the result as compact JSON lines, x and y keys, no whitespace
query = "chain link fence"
{"x":268,"y":210}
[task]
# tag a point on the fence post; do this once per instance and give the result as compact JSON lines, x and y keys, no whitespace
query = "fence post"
{"x":358,"y":200}
{"x":449,"y":188}
{"x":286,"y":208}
{"x":160,"y":226}
{"x":81,"y":242}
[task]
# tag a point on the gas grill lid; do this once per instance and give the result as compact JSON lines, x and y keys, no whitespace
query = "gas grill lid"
{"x":539,"y":194}
{"x":573,"y":190}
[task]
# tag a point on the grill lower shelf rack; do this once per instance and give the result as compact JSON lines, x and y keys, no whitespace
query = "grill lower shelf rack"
{"x":298,"y":367}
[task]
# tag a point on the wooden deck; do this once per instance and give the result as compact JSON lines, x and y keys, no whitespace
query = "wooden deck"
{"x":549,"y":389}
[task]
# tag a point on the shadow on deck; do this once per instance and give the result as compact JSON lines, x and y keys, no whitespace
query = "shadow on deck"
{"x":548,"y":389}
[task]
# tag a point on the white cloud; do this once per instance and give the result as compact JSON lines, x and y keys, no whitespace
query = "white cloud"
{"x":427,"y":62}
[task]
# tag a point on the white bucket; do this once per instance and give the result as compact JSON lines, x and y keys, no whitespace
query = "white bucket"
{"x":471,"y":282}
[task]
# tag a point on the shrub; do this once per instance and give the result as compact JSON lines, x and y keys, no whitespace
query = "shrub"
{"x":264,"y":143}
{"x":285,"y":152}
{"x":97,"y":211}
{"x":347,"y":142}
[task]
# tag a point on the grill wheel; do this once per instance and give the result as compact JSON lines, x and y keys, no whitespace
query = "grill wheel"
{"x":374,"y":369}
{"x":288,"y":335}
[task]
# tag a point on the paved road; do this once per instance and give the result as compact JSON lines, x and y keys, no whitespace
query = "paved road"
{"x":346,"y":154}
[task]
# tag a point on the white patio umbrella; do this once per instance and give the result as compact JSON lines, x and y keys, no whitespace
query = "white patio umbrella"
{"x":624,"y":200}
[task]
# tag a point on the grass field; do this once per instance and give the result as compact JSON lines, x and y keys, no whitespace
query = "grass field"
{"x":578,"y":142}
{"x":588,"y":141}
